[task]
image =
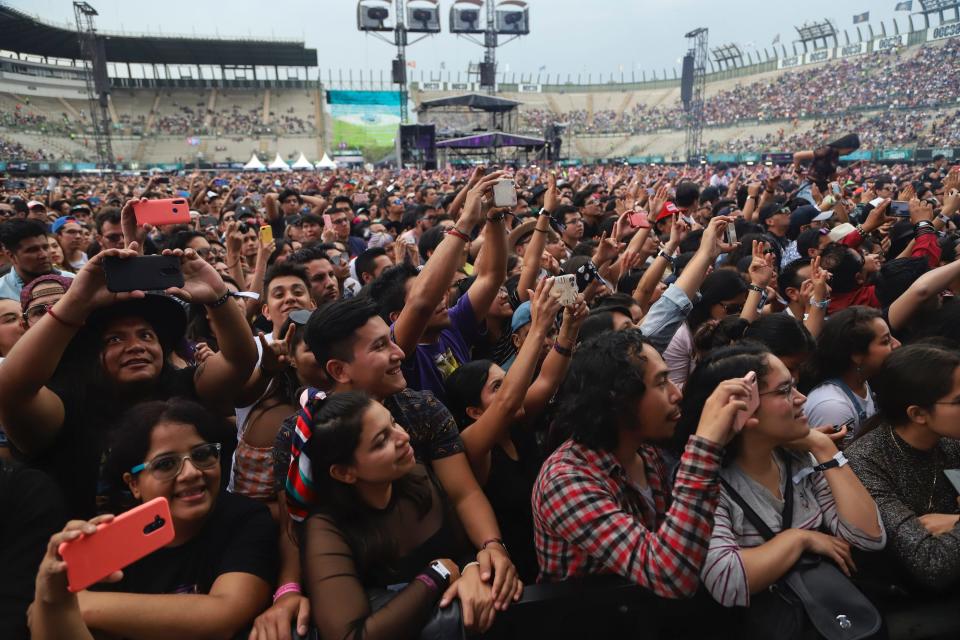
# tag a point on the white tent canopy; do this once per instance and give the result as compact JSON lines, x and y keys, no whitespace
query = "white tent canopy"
{"x":302,"y":163}
{"x":326,"y":163}
{"x":278,"y":163}
{"x":254,"y":164}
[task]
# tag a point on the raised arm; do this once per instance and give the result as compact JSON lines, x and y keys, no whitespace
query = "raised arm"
{"x":481,"y":436}
{"x":557,"y":362}
{"x":491,"y":265}
{"x":431,"y":284}
{"x":532,"y":256}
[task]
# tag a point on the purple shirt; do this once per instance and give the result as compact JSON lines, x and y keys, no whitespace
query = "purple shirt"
{"x":431,"y":363}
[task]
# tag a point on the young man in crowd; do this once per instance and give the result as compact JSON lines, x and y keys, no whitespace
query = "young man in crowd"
{"x":321,"y":273}
{"x":26,"y":247}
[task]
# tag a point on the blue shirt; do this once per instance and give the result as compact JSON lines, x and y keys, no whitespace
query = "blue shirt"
{"x":12,"y":284}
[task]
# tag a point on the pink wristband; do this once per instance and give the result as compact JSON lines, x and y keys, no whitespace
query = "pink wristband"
{"x":290,"y":587}
{"x":427,"y":580}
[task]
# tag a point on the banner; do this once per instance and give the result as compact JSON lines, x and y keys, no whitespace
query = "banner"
{"x":363,"y":119}
{"x":890,"y":42}
{"x":821,"y":55}
{"x":895,"y":154}
{"x":792,"y":61}
{"x":852,"y":50}
{"x":859,"y":154}
{"x":944,"y":31}
{"x":528,"y":88}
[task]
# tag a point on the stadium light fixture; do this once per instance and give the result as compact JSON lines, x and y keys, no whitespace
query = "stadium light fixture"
{"x":937,"y":6}
{"x":465,"y":16}
{"x":818,"y":34}
{"x":423,"y":16}
{"x":728,"y":56}
{"x":513,"y":18}
{"x":374,"y":15}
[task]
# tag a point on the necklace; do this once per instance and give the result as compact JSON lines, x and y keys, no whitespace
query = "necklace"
{"x":933,"y":488}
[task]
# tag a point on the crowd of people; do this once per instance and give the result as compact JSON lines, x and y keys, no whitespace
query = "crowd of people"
{"x":380,"y":403}
{"x":862,"y":82}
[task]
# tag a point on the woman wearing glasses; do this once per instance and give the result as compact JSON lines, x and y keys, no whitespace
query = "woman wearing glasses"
{"x":775,"y":453}
{"x":903,"y":462}
{"x":223,"y":554}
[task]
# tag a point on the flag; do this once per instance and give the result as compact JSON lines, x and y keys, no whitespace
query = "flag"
{"x":412,"y":64}
{"x":443,"y":65}
{"x":776,"y":39}
{"x":861,"y":17}
{"x":904,"y":6}
{"x":542,"y":68}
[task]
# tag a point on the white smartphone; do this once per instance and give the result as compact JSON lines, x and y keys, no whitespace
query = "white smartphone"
{"x":731,"y":233}
{"x":505,"y":193}
{"x":876,"y":202}
{"x":565,"y":289}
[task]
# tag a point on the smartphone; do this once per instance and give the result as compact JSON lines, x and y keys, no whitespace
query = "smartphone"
{"x":876,"y":202}
{"x":117,"y":544}
{"x":161,"y":212}
{"x":900,"y":208}
{"x":953,"y":475}
{"x":505,"y":193}
{"x":565,"y":289}
{"x":731,"y":233}
{"x":327,"y":221}
{"x":835,"y":187}
{"x":161,"y":180}
{"x":753,"y":402}
{"x":209,"y":221}
{"x":142,"y":273}
{"x":266,"y":234}
{"x":638,"y":220}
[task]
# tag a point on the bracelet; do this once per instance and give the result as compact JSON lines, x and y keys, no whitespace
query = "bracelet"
{"x":492,"y":540}
{"x":859,"y":229}
{"x":290,"y":587}
{"x":222,"y":300}
{"x":469,"y":564}
{"x":66,"y":323}
{"x":820,"y":304}
{"x":235,"y":263}
{"x":944,"y":219}
{"x":540,"y":230}
{"x":428,"y":581}
{"x":456,"y":233}
{"x":543,"y":212}
{"x":758,"y":289}
{"x":566,"y":353}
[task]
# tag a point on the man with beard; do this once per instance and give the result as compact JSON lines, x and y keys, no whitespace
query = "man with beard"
{"x":26,"y":247}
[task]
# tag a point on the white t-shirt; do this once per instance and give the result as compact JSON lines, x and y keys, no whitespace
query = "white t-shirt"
{"x":828,"y":404}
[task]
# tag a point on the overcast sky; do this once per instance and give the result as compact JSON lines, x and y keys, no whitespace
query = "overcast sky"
{"x":567,"y":36}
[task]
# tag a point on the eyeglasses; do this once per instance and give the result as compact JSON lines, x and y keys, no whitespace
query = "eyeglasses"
{"x":113,"y":237}
{"x":37,"y":311}
{"x":785,"y":390}
{"x":167,"y":467}
{"x":340,"y":221}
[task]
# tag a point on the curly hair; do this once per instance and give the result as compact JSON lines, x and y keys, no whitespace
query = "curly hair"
{"x":600,"y":392}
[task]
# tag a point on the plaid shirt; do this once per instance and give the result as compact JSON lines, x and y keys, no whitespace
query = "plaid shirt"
{"x":590,"y":518}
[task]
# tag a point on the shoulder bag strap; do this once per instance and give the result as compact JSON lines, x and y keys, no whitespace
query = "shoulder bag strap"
{"x":762,"y":527}
{"x":851,"y":396}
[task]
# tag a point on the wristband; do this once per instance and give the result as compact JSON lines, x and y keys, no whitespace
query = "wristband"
{"x":540,"y":230}
{"x":820,"y":304}
{"x":543,"y":212}
{"x":66,"y":323}
{"x":222,"y":300}
{"x":456,"y":233}
{"x":944,"y":219}
{"x":491,"y":541}
{"x":663,"y":254}
{"x":837,"y":461}
{"x":468,"y":565}
{"x":428,"y":581}
{"x":566,"y":353}
{"x":860,"y":230}
{"x":758,"y":289}
{"x":290,"y":587}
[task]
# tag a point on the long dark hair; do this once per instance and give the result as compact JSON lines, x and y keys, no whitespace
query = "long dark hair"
{"x":721,"y":364}
{"x":845,"y":333}
{"x":722,"y":284}
{"x":336,"y":430}
{"x":464,"y":387}
{"x":918,"y":374}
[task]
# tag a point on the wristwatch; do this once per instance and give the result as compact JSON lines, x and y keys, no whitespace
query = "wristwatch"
{"x":441,"y":571}
{"x":543,"y":212}
{"x":757,"y":288}
{"x":666,"y":256}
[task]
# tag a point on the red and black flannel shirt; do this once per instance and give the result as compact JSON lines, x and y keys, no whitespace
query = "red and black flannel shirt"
{"x":590,"y":518}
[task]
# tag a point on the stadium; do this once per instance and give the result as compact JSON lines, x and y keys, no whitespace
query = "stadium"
{"x":177,"y":101}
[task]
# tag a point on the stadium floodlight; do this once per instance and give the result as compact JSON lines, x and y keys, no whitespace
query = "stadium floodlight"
{"x":373,"y":15}
{"x":818,"y":34}
{"x":728,"y":56}
{"x":938,"y":6}
{"x":465,"y":16}
{"x":423,"y":16}
{"x":513,"y":18}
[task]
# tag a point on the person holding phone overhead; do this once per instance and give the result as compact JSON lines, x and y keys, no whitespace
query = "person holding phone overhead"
{"x":775,"y":453}
{"x":96,"y":353}
{"x":220,"y":565}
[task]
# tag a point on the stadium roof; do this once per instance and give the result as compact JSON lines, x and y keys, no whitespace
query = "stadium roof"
{"x":23,"y":33}
{"x":491,"y":139}
{"x":473,"y":100}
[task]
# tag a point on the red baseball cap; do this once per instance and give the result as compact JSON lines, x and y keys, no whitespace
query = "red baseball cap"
{"x":668,"y":209}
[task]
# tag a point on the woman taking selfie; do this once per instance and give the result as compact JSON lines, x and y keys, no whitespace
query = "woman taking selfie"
{"x":376,"y":518}
{"x":223,"y":554}
{"x":902,"y":462}
{"x":776,"y":452}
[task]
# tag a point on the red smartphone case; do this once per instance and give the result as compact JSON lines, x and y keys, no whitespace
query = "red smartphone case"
{"x":753,"y":402}
{"x":117,"y":544}
{"x":160,"y":212}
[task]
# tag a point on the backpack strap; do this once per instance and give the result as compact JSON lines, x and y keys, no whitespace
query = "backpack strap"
{"x":851,"y":396}
{"x":748,"y":512}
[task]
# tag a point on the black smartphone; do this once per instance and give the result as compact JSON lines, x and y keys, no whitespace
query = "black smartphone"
{"x":161,"y":179}
{"x":900,"y":208}
{"x":142,"y":273}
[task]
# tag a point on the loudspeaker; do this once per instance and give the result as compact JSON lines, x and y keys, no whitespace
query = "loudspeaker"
{"x":488,"y":74}
{"x":398,"y":71}
{"x":686,"y":81}
{"x":418,"y":145}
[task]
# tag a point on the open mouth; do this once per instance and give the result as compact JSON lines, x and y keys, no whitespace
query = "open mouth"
{"x":675,"y":416}
{"x":137,"y":362}
{"x":193,"y":494}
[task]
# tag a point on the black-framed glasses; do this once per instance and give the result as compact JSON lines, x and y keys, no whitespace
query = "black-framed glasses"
{"x":168,"y":466}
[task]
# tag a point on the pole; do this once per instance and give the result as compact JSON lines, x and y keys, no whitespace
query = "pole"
{"x":400,"y":39}
{"x":490,"y":44}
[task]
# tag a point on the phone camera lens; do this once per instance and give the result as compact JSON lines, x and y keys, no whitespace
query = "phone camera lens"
{"x":174,"y":209}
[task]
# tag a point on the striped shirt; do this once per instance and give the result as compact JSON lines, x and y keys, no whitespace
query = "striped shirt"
{"x":813,"y":509}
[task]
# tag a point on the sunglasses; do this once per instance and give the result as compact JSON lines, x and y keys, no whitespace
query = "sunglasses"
{"x":167,"y":467}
